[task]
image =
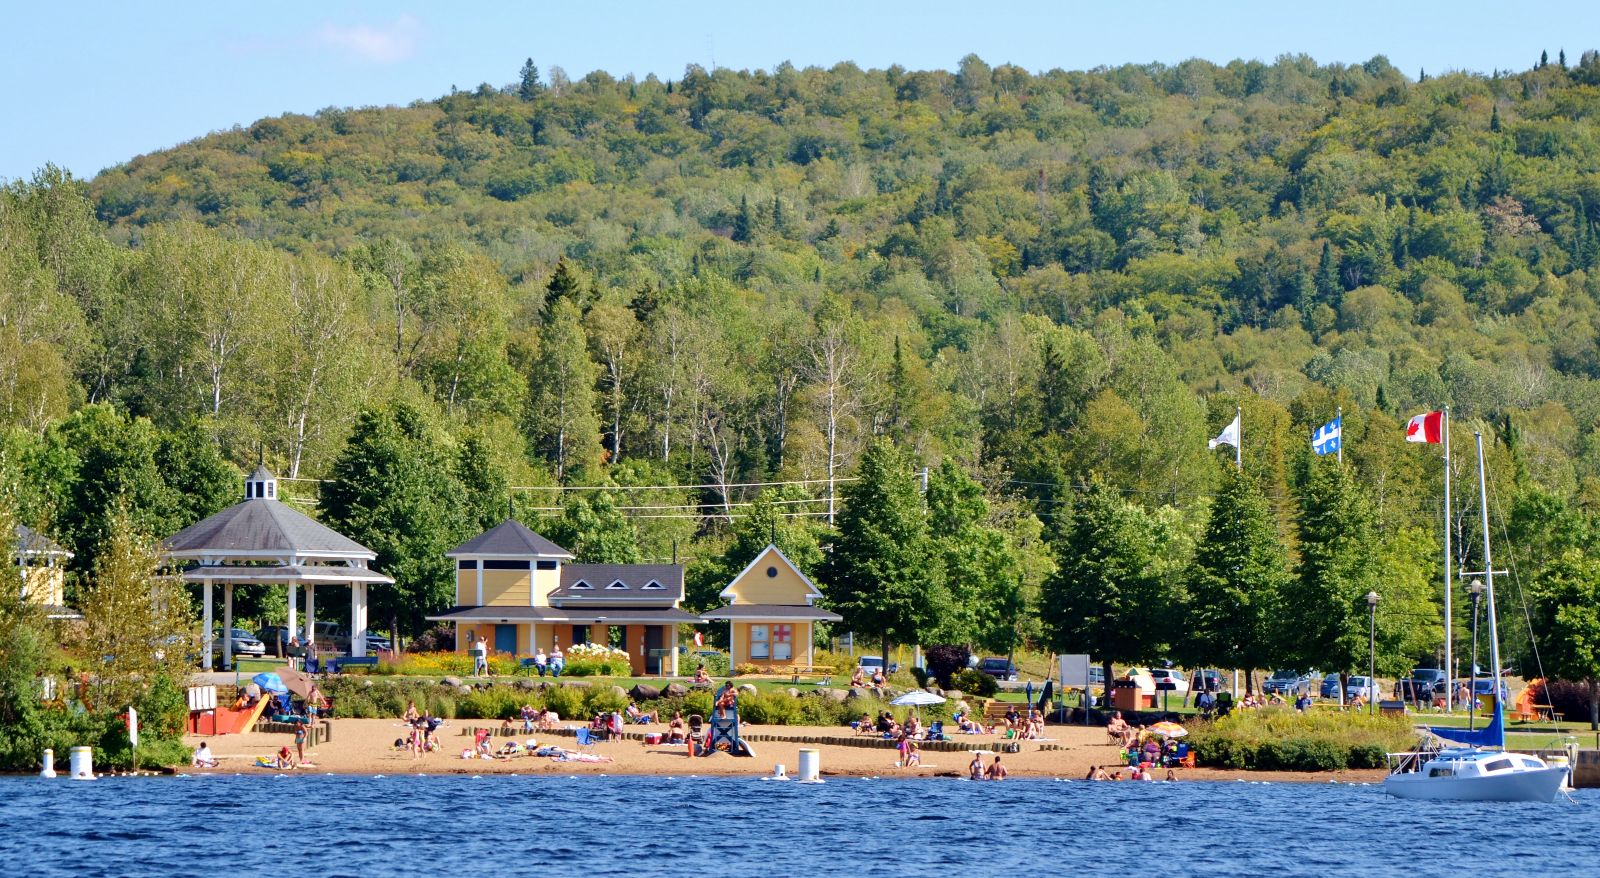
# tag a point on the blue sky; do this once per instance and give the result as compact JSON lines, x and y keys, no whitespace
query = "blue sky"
{"x":88,"y":85}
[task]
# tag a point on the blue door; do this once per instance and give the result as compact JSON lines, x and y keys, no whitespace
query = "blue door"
{"x":505,"y":639}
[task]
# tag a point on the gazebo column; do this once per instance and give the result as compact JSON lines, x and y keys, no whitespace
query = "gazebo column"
{"x":358,"y":619}
{"x":672,"y":641}
{"x":311,"y":615}
{"x":205,"y":625}
{"x":227,"y":626}
{"x":292,"y":629}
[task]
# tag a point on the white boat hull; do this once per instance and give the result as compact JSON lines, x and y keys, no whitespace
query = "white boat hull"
{"x":1532,"y":785}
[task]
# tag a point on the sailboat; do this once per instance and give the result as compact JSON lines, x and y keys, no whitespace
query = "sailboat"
{"x":1479,"y":769}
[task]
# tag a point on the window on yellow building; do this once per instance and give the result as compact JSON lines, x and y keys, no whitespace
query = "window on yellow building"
{"x":759,"y":646}
{"x":782,"y":642}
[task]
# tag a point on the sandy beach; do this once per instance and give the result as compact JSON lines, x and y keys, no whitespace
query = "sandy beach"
{"x":366,"y":746}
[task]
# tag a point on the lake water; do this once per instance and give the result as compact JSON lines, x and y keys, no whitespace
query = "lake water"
{"x":639,"y":826}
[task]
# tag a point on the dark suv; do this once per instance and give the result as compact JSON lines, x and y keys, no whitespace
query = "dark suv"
{"x":1423,"y":684}
{"x":998,"y":668}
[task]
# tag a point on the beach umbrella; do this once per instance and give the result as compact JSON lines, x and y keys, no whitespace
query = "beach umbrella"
{"x":269,"y":682}
{"x":917,"y":698}
{"x":1168,"y":729}
{"x":295,"y":682}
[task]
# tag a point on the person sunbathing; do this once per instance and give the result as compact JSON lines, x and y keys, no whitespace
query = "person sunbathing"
{"x":642,"y":717}
{"x":676,"y":730}
{"x":858,"y":679}
{"x":1119,"y":727}
{"x":913,"y":754}
{"x":701,"y":677}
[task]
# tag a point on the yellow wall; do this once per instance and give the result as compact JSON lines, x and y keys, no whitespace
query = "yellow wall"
{"x":739,"y":643}
{"x":505,"y":588}
{"x":466,"y":588}
{"x":544,"y":582}
{"x":44,"y":585}
{"x":756,"y":587}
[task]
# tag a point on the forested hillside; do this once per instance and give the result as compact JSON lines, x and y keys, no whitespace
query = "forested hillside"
{"x":1050,"y":289}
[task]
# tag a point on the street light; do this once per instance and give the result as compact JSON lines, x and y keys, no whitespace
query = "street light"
{"x":1372,"y":650}
{"x":1476,"y":589}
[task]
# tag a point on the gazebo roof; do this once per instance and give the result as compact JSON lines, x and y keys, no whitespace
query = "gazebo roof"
{"x":263,"y":526}
{"x":509,"y":538}
{"x":31,"y":542}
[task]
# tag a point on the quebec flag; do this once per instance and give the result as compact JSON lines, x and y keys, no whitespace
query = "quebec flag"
{"x":1327,"y":438}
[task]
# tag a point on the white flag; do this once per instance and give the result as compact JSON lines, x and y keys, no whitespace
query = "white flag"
{"x":1229,"y":435}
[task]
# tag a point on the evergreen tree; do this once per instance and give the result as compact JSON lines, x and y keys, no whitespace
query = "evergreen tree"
{"x":1108,"y":596}
{"x":1329,"y":289}
{"x":1544,"y":60}
{"x":561,"y":422}
{"x":1494,"y":119}
{"x":883,"y":577}
{"x":565,"y":286}
{"x":780,"y":223}
{"x":1561,"y":59}
{"x":528,"y":84}
{"x":1323,"y":622}
{"x":745,"y":225}
{"x":393,"y":489}
{"x":1239,"y":573}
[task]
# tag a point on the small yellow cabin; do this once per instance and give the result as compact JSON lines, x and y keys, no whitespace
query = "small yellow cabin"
{"x":522,"y":593}
{"x":771,"y":613}
{"x":41,"y":563}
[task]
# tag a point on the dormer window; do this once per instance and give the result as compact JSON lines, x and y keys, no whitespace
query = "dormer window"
{"x":617,"y":585}
{"x":581,"y":585}
{"x":652,"y":585}
{"x":262,"y":485}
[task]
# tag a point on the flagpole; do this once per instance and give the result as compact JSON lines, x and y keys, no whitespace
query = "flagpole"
{"x":1449,"y":656}
{"x":1238,"y":447}
{"x":1338,"y":415}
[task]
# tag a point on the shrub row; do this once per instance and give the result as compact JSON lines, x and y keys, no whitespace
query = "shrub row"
{"x":1279,"y":739}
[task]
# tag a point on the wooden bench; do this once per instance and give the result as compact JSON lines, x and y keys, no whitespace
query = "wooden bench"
{"x":797,"y":671}
{"x":337,"y":665}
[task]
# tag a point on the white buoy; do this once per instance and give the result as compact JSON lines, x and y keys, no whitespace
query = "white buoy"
{"x":81,"y":763}
{"x":778,"y":772}
{"x":49,"y":769}
{"x":810,"y":766}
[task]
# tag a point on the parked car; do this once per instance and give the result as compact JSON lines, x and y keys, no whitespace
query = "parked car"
{"x":998,"y":668}
{"x":1168,"y":676}
{"x":1484,"y":686}
{"x":1330,"y":687}
{"x":1287,"y":683}
{"x":244,"y":644}
{"x":1422,"y":684}
{"x":1207,"y":680}
{"x":869,"y":664}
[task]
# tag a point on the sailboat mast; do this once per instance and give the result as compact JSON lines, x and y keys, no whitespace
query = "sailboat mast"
{"x":1449,"y":639}
{"x":1488,"y":574}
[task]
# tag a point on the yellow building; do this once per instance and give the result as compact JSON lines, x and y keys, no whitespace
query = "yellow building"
{"x":41,"y":564}
{"x":771,"y":612}
{"x":521,"y":592}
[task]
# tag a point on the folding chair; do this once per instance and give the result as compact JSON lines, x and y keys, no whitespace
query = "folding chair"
{"x":586,"y":738}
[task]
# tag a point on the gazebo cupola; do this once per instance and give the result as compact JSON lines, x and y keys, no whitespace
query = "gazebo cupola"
{"x":262,"y":485}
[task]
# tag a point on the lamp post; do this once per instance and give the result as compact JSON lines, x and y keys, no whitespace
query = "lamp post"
{"x":1372,"y":651}
{"x":1476,"y":589}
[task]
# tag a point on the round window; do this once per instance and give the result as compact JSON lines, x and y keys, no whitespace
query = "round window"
{"x":772,"y":572}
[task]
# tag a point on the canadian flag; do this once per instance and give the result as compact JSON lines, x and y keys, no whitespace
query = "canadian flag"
{"x":699,"y":639}
{"x":1427,"y":427}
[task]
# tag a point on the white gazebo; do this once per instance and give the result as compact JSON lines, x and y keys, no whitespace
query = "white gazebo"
{"x":261,"y":541}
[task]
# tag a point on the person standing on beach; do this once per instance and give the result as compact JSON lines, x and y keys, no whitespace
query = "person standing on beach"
{"x":300,"y":742}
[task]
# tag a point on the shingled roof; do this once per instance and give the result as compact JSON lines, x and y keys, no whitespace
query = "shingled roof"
{"x":620,"y":583}
{"x":31,"y":542}
{"x":262,"y":525}
{"x":510,"y":538}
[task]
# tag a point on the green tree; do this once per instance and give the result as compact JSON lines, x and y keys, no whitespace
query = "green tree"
{"x":562,"y":427}
{"x":594,"y":530}
{"x":765,"y":522}
{"x":140,"y":622}
{"x":1110,"y":595}
{"x":883,"y":575}
{"x":528,"y":85}
{"x":1240,"y":573}
{"x":1568,"y":617}
{"x":1323,"y":621}
{"x":393,"y":489}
